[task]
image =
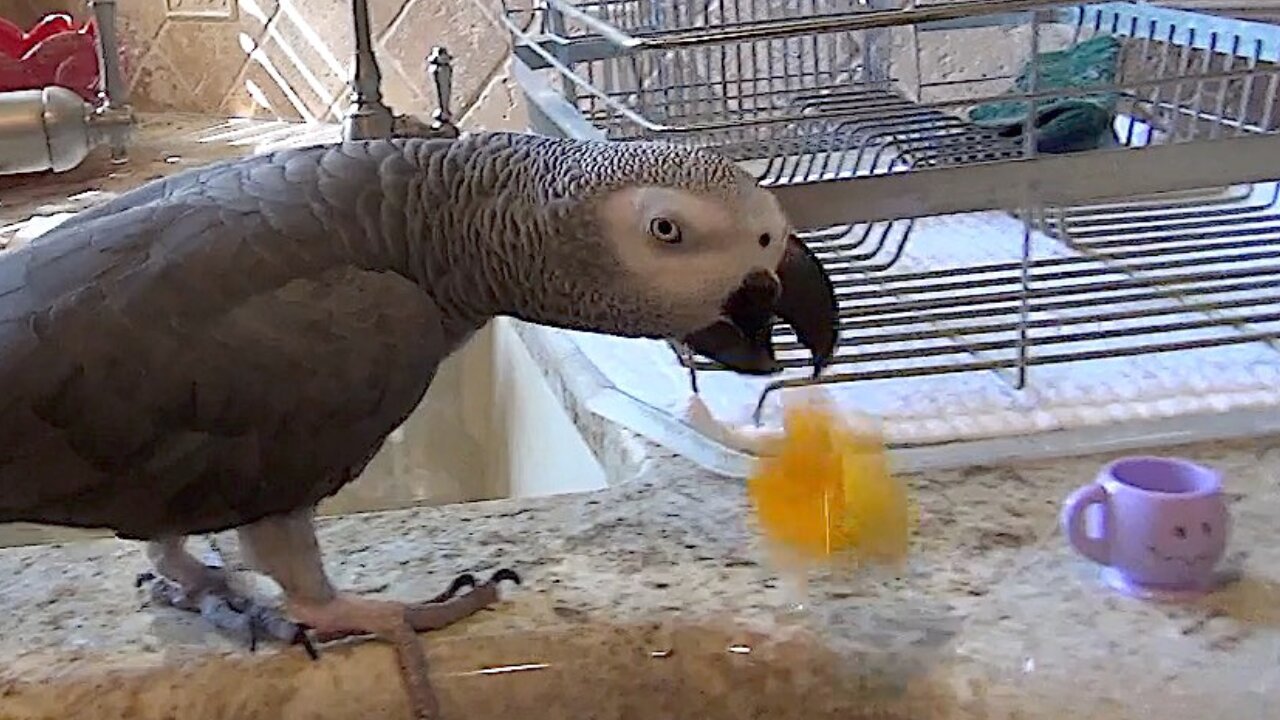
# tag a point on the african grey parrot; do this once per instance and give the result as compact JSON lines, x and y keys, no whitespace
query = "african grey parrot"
{"x":229,"y":346}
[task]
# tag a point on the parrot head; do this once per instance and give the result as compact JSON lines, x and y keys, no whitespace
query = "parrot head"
{"x":689,"y":247}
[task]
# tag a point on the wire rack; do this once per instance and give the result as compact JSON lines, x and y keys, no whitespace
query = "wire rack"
{"x":1157,"y":230}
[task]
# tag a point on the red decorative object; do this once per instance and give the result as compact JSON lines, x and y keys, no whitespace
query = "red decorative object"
{"x":55,"y":51}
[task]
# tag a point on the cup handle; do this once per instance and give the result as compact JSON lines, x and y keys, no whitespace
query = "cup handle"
{"x":1073,"y":523}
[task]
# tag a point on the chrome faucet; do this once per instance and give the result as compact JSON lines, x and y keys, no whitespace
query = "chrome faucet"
{"x":368,"y":116}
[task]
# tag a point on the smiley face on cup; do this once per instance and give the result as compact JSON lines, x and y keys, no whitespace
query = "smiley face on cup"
{"x":1163,"y":525}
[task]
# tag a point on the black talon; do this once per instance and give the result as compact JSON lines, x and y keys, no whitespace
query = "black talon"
{"x":505,"y":574}
{"x":303,"y":639}
{"x":143,"y":578}
{"x":465,"y":580}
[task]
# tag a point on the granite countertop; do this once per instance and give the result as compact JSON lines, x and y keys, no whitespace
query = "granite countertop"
{"x":994,"y":616}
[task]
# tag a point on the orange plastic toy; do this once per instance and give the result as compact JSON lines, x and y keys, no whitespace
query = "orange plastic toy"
{"x":826,"y":491}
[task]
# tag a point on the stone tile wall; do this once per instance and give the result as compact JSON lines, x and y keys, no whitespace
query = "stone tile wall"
{"x":289,"y":59}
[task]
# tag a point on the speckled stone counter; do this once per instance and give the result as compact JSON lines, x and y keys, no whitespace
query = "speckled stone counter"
{"x":654,"y":599}
{"x":994,"y":617}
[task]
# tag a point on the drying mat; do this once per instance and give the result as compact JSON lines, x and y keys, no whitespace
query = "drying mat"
{"x":980,"y":416}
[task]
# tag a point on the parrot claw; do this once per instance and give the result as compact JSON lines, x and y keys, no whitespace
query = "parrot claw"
{"x":436,"y":614}
{"x":226,"y":611}
{"x":440,"y":611}
{"x":465,"y":580}
{"x":398,"y":623}
{"x":505,"y":574}
{"x":239,"y":616}
{"x":303,"y":638}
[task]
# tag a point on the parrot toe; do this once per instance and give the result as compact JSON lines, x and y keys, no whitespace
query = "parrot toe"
{"x":226,"y":610}
{"x":335,"y":620}
{"x":449,"y":607}
{"x":398,"y":623}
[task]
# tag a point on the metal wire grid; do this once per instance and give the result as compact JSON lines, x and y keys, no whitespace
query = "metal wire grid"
{"x":1141,"y":276}
{"x":654,"y":18}
{"x":1146,"y":277}
{"x":772,"y":90}
{"x":697,"y":88}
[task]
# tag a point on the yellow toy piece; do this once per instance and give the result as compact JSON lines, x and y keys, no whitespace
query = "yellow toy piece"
{"x":826,"y":491}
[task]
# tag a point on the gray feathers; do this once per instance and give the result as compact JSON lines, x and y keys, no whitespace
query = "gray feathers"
{"x":236,"y":341}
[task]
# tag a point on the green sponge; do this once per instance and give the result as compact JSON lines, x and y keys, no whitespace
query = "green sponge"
{"x":1065,"y":124}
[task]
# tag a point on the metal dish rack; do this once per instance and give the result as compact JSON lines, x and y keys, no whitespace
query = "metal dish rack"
{"x":856,"y":113}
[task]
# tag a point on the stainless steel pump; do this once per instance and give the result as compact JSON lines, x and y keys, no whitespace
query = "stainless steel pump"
{"x":54,"y":129}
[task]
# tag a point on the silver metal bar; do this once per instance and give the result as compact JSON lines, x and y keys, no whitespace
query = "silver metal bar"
{"x":550,"y":112}
{"x":615,"y":43}
{"x":1007,"y":364}
{"x":113,"y":87}
{"x":1057,"y":179}
{"x":777,"y":28}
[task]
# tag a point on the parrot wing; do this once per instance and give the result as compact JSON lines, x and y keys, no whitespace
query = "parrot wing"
{"x":154,"y":191}
{"x":180,"y":367}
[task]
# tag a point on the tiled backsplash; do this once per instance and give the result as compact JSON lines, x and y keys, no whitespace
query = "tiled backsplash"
{"x":26,"y":12}
{"x":290,"y":59}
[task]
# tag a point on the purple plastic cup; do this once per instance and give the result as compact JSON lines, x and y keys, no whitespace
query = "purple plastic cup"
{"x":1163,"y":526}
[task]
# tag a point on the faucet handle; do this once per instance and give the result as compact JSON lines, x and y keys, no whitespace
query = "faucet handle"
{"x":440,"y":67}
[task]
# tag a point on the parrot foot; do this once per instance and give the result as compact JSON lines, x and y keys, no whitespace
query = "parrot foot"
{"x":398,"y":623}
{"x":227,"y":610}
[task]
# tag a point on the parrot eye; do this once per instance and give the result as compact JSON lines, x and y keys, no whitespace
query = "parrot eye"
{"x":664,"y":230}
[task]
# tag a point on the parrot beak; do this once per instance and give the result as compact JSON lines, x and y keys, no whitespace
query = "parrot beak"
{"x":800,"y":293}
